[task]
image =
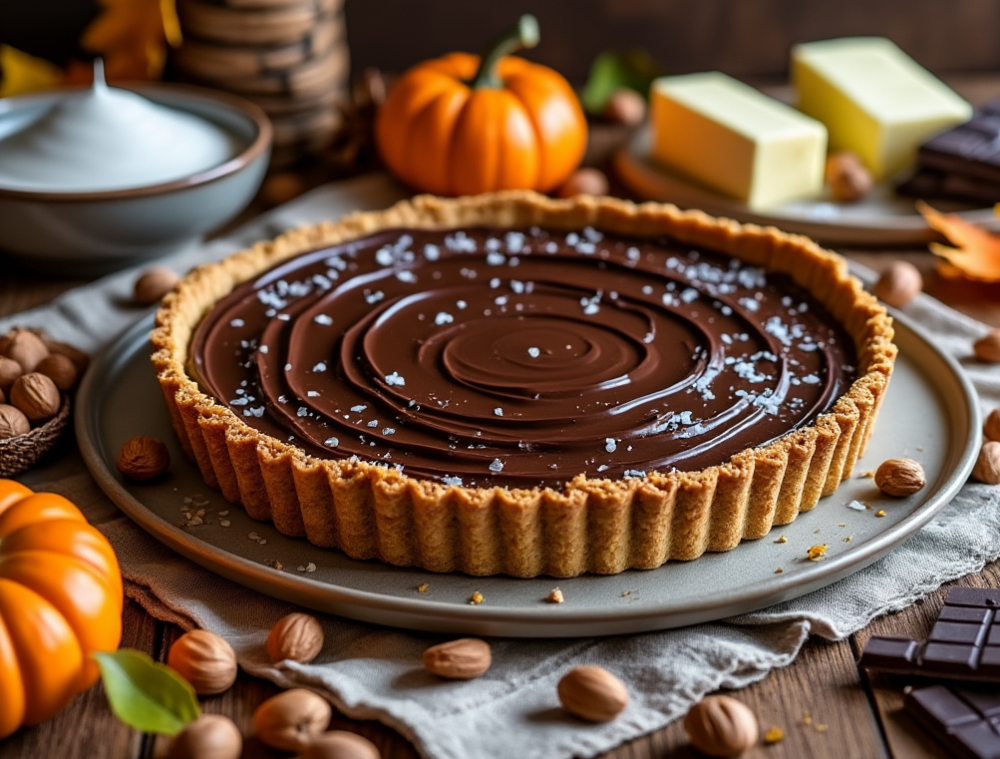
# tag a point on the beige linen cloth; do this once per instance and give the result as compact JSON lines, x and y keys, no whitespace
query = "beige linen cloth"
{"x":371,"y":672}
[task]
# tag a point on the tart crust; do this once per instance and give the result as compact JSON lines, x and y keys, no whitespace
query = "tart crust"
{"x":591,"y":525}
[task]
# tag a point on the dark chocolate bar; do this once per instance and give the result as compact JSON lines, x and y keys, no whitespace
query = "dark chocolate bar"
{"x":931,"y":184}
{"x":964,"y":720}
{"x":964,"y":643}
{"x":971,"y":149}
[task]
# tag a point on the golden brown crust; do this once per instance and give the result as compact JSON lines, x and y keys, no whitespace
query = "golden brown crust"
{"x":592,"y":525}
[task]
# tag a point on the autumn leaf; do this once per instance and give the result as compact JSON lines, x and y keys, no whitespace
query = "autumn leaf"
{"x":132,"y":37}
{"x":21,"y":73}
{"x":976,"y":253}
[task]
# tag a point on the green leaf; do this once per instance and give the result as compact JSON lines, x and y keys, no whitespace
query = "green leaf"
{"x":145,"y":695}
{"x":615,"y":70}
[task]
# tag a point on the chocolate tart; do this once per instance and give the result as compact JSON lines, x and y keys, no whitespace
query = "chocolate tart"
{"x":513,"y":384}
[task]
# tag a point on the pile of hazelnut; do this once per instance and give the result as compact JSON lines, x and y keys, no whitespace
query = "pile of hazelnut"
{"x":34,"y":373}
{"x":296,"y":720}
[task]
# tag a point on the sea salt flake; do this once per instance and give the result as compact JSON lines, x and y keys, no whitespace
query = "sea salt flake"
{"x":534,"y":352}
{"x":359,"y":408}
{"x":320,"y":367}
{"x":443,"y":317}
{"x":857,"y":506}
{"x":323,"y":319}
{"x":332,"y":442}
{"x":395,"y":380}
{"x":496,"y":465}
{"x":312,"y":394}
{"x":236,"y":323}
{"x":610,"y":445}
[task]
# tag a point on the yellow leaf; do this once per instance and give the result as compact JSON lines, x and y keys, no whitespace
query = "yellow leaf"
{"x":976,"y":253}
{"x":132,"y":36}
{"x":22,"y":73}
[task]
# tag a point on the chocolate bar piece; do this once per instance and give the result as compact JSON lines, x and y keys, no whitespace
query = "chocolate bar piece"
{"x":971,"y":149}
{"x":931,"y":184}
{"x":964,"y":643}
{"x":964,"y":720}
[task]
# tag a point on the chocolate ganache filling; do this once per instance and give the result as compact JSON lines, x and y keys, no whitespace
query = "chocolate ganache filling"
{"x":522,"y":357}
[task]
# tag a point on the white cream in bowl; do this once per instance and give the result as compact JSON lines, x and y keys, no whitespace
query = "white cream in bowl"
{"x":105,"y":138}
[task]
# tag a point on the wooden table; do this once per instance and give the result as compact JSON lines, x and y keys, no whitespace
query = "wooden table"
{"x":827,"y":709}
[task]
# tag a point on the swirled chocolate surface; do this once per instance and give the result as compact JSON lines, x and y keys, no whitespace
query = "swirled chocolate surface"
{"x":522,"y":357}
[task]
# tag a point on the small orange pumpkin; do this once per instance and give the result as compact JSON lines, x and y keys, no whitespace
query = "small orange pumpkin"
{"x":459,"y":125}
{"x":60,"y":601}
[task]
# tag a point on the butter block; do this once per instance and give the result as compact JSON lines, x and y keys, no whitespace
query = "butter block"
{"x":735,"y":140}
{"x":875,"y":100}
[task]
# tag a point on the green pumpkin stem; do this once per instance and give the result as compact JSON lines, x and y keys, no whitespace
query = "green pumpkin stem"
{"x":522,"y":35}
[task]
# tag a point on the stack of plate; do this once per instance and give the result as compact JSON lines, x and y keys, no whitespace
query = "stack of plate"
{"x":289,"y":57}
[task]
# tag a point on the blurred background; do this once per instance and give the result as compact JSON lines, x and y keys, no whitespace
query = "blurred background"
{"x":740,"y":37}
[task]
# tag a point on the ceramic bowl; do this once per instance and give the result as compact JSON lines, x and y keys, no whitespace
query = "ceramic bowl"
{"x":94,"y":232}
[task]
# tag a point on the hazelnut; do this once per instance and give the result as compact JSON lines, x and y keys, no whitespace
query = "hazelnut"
{"x":36,"y":396}
{"x":991,"y":428}
{"x":10,"y":370}
{"x":987,"y":348}
{"x":211,"y":736}
{"x":900,"y":477}
{"x":25,"y":347}
{"x":721,"y":726}
{"x":205,"y":660}
{"x":987,"y":468}
{"x":60,"y":369}
{"x":143,"y":458}
{"x":340,"y":744}
{"x":296,"y":637}
{"x":848,"y":178}
{"x":153,"y":284}
{"x":78,"y":357}
{"x":626,"y":107}
{"x":280,"y":188}
{"x":462,"y":659}
{"x":584,"y":182}
{"x":592,"y":693}
{"x":291,"y":720}
{"x":899,"y":284}
{"x":12,"y":422}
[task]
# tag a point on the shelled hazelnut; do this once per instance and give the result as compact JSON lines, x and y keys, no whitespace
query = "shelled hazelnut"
{"x":584,"y":182}
{"x":592,"y":693}
{"x":153,"y":284}
{"x":847,"y":177}
{"x":143,"y":458}
{"x":24,"y":347}
{"x":12,"y":422}
{"x":292,"y":720}
{"x":987,"y":348}
{"x":36,"y":396}
{"x":341,"y":744}
{"x":899,"y":284}
{"x":211,"y":736}
{"x":296,"y":637}
{"x":721,"y":726}
{"x":626,"y":107}
{"x":205,"y":660}
{"x":60,"y":369}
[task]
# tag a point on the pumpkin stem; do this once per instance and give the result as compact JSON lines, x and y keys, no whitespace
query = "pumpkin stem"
{"x":522,"y":35}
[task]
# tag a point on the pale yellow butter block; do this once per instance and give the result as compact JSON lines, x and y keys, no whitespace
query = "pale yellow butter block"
{"x":874,"y":99}
{"x":736,"y":140}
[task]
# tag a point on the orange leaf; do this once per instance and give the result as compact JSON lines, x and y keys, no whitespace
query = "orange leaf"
{"x":976,"y":252}
{"x":132,"y":36}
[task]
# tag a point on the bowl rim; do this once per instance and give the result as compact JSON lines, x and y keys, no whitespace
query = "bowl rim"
{"x":257,"y":146}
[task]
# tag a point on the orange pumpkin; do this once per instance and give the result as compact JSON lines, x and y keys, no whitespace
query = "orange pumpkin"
{"x":60,"y":601}
{"x":459,"y":125}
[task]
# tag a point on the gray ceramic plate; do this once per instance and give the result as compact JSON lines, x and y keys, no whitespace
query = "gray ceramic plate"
{"x":882,"y":218}
{"x":929,"y":414}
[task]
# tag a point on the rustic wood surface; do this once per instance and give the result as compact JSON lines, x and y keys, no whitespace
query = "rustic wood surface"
{"x":826,"y":708}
